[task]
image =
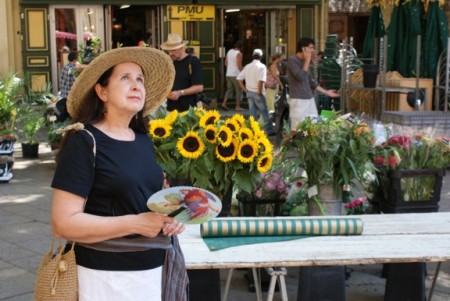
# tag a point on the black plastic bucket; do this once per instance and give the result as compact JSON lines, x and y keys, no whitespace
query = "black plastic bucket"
{"x":370,"y":74}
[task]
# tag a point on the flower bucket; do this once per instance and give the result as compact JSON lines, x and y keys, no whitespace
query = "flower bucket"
{"x":404,"y":191}
{"x":330,"y":200}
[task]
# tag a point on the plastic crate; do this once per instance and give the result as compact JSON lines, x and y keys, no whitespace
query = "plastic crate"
{"x":433,"y":118}
{"x":394,"y":201}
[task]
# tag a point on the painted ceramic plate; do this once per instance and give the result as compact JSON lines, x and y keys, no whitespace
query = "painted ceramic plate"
{"x":187,"y":204}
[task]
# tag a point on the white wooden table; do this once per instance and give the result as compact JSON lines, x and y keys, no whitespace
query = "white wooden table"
{"x":386,"y":238}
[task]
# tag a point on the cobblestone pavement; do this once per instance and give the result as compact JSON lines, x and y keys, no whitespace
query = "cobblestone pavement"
{"x":25,"y":236}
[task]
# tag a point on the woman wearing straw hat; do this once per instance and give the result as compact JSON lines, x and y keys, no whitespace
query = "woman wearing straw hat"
{"x":123,"y":251}
{"x":188,"y":75}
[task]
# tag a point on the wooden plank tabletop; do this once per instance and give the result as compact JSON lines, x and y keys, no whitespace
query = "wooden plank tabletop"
{"x":406,"y":237}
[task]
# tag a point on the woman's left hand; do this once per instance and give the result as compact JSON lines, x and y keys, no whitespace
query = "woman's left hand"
{"x":173,"y":228}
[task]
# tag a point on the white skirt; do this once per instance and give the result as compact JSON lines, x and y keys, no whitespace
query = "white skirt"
{"x":96,"y":285}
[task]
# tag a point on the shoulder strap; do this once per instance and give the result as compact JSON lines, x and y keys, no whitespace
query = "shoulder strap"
{"x":94,"y":149}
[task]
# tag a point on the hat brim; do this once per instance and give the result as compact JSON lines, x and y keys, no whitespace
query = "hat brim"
{"x":157,"y":67}
{"x":165,"y":46}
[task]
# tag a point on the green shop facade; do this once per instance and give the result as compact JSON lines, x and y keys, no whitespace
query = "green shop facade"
{"x":49,"y":29}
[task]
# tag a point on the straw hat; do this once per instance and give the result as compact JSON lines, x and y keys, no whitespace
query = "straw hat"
{"x":174,"y":41}
{"x":157,"y":67}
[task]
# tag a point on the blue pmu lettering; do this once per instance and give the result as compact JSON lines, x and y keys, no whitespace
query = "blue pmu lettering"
{"x":190,"y":9}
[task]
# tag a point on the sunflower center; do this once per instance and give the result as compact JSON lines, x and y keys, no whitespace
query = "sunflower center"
{"x":264,"y":162}
{"x":191,"y":144}
{"x":223,"y":136}
{"x":160,"y":132}
{"x":210,"y":120}
{"x":210,"y":135}
{"x":227,"y":151}
{"x":231,"y":127}
{"x":247,"y":151}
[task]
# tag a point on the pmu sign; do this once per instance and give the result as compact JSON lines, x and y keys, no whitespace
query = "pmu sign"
{"x":191,"y":12}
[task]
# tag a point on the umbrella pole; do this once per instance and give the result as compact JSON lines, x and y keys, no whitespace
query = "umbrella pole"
{"x":418,"y":101}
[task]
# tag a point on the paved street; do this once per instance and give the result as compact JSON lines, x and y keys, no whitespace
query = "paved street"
{"x":25,"y":237}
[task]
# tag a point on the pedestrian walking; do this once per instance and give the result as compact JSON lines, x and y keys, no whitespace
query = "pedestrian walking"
{"x":273,"y":81}
{"x":254,"y":74}
{"x":233,"y":62}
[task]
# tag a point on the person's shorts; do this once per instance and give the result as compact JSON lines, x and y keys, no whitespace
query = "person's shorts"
{"x":299,"y":109}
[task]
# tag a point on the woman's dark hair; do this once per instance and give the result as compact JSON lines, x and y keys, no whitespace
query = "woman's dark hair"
{"x":93,"y":110}
{"x":304,"y":42}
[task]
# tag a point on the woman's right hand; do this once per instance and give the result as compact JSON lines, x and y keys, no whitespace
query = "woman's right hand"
{"x":150,"y":224}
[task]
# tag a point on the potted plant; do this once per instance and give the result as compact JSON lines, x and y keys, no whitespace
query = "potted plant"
{"x":10,"y":92}
{"x":411,"y":166}
{"x":212,"y":153}
{"x":31,"y":120}
{"x":335,"y":153}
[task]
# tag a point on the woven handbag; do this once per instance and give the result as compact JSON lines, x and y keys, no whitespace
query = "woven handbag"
{"x":56,"y":277}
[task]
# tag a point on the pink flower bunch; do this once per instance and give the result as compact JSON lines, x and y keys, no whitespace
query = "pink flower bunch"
{"x":270,"y":185}
{"x":358,"y":206}
{"x":399,"y":140}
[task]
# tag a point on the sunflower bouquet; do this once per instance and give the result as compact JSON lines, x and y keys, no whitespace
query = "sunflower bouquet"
{"x":212,"y":152}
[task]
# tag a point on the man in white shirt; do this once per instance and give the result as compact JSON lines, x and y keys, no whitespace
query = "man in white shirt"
{"x":233,"y":62}
{"x":254,"y":75}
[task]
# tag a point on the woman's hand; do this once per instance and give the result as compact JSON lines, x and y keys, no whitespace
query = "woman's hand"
{"x":173,"y":228}
{"x":151,"y":224}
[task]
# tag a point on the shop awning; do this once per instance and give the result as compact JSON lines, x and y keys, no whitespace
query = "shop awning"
{"x":71,"y":36}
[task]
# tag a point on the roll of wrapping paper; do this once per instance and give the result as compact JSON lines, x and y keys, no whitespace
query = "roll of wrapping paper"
{"x":281,"y":227}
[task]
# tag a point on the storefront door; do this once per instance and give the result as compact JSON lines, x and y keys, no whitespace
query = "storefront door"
{"x":70,"y":27}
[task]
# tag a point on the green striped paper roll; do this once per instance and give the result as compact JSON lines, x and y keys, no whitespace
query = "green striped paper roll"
{"x":281,"y":227}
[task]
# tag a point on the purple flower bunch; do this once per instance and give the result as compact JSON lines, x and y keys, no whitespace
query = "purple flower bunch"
{"x":271,"y":185}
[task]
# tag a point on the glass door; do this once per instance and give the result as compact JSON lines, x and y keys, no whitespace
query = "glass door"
{"x":71,"y":27}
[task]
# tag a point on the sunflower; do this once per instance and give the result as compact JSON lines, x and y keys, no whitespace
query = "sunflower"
{"x":264,"y":144}
{"x":264,"y":163}
{"x":254,"y":125}
{"x":210,"y":133}
{"x":224,"y":135}
{"x":240,"y":119}
{"x":233,"y":125}
{"x":245,"y":133}
{"x":210,"y":117}
{"x":247,"y":151}
{"x":190,"y":146}
{"x":159,"y":129}
{"x":227,"y":153}
{"x":199,"y":111}
{"x":171,"y":117}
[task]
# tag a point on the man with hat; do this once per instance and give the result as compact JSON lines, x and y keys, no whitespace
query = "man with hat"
{"x":188,"y":75}
{"x":254,"y":75}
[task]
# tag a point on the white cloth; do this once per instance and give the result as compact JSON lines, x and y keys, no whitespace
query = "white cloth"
{"x":232,"y":67}
{"x":97,"y":285}
{"x":299,"y":109}
{"x":252,"y":74}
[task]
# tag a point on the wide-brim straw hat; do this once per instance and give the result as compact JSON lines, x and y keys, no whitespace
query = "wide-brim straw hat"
{"x":174,"y":41}
{"x":157,"y":68}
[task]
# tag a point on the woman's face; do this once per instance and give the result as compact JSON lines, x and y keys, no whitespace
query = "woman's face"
{"x":125,"y":91}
